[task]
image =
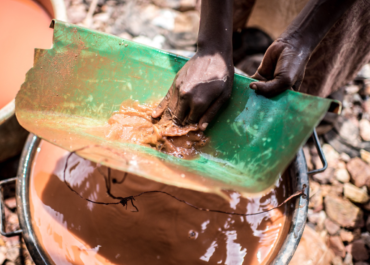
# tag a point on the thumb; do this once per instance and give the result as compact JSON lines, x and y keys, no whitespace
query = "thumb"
{"x":271,"y":88}
{"x":158,"y":111}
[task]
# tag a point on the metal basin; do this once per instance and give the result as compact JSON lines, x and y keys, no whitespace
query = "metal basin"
{"x":297,"y":171}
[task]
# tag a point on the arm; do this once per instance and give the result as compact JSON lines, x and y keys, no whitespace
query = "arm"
{"x":205,"y":82}
{"x":285,"y":61}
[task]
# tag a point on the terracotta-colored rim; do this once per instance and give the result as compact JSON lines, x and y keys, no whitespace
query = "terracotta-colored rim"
{"x":57,"y":10}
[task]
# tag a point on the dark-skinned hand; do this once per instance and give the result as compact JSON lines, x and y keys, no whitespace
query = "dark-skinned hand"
{"x":199,"y":89}
{"x":282,"y":68}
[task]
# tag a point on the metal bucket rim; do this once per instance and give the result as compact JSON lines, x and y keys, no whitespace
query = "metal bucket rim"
{"x":298,"y":173}
{"x":60,"y":13}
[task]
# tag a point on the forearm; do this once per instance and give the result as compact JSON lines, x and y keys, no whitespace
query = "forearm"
{"x":314,"y":22}
{"x":215,"y":31}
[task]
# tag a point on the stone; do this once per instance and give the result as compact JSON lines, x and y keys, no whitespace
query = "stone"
{"x":359,"y":171}
{"x":346,"y":236}
{"x":364,"y":72}
{"x":77,"y":13}
{"x":342,"y":175}
{"x":368,"y":224}
{"x":181,"y":5}
{"x":316,"y":217}
{"x":332,"y":156}
{"x":348,"y":130}
{"x":12,"y":253}
{"x":320,"y":222}
{"x":326,"y":176}
{"x":352,"y":89}
{"x":343,"y":212}
{"x":361,"y":263}
{"x":365,"y":155}
{"x":364,"y":129}
{"x":366,"y":105}
{"x":348,"y":259}
{"x":355,"y":194}
{"x":2,"y":258}
{"x":311,"y":250}
{"x":336,"y":190}
{"x":336,"y":245}
{"x":331,"y":227}
{"x":345,"y":157}
{"x":358,"y":250}
{"x":337,"y":261}
{"x":316,"y":200}
{"x":366,"y":237}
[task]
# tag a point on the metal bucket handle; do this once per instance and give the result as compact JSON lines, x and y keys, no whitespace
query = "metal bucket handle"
{"x":2,"y":211}
{"x":321,"y":155}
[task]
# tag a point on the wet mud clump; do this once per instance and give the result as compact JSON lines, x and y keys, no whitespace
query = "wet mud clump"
{"x":134,"y":123}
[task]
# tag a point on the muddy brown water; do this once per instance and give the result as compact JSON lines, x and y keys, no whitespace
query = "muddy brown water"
{"x":24,"y":26}
{"x":164,"y":231}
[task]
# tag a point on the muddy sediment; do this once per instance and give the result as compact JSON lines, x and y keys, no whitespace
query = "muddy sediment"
{"x":163,"y":231}
{"x":134,"y":123}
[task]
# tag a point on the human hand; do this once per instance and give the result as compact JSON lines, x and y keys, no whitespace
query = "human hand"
{"x":199,"y":89}
{"x":282,"y":68}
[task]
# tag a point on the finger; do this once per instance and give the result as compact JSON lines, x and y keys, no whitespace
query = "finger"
{"x":158,"y":111}
{"x":181,"y":111}
{"x":267,"y":67}
{"x":212,"y":111}
{"x":273,"y":87}
{"x":198,"y":108}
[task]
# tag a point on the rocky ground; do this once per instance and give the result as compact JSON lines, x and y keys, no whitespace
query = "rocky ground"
{"x":339,"y":209}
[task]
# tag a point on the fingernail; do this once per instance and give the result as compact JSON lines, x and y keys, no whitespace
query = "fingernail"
{"x":253,"y":86}
{"x":204,"y":125}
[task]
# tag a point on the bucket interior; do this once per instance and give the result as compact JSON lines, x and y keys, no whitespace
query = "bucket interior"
{"x":68,"y":227}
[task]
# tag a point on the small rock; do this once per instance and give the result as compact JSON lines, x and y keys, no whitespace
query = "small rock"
{"x":348,"y":130}
{"x":311,"y":250}
{"x":364,"y":72}
{"x":348,"y":259}
{"x":366,"y":105}
{"x":366,"y":237}
{"x":316,"y":200}
{"x":359,"y":171}
{"x":345,"y":157}
{"x":331,"y":227}
{"x":355,"y":194}
{"x":12,"y":253}
{"x":365,"y":129}
{"x":125,"y":35}
{"x":320,"y":222}
{"x":342,"y":175}
{"x":352,"y":89}
{"x":2,"y":258}
{"x":181,"y":5}
{"x":337,"y":261}
{"x":365,"y":155}
{"x":316,"y":217}
{"x":346,"y":236}
{"x":358,"y":250}
{"x":336,"y":245}
{"x":332,"y":156}
{"x":335,"y":190}
{"x":326,"y":176}
{"x":343,"y":212}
